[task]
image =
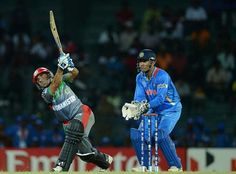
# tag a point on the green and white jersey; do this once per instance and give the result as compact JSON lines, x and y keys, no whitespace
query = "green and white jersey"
{"x":65,"y":103}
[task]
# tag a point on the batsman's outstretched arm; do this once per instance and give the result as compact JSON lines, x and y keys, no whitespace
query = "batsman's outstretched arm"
{"x":71,"y":75}
{"x":63,"y":63}
{"x":56,"y":81}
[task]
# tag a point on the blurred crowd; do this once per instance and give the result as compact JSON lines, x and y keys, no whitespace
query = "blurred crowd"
{"x":196,"y":45}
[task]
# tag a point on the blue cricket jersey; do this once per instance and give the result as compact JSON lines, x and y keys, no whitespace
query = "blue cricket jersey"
{"x":164,"y":100}
{"x":159,"y":91}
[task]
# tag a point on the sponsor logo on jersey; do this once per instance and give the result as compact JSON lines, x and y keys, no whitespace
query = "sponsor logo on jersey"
{"x":163,"y":85}
{"x":65,"y":103}
{"x":67,"y":91}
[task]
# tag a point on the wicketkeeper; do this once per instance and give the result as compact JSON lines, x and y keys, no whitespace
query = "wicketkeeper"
{"x":155,"y":93}
{"x":76,"y":117}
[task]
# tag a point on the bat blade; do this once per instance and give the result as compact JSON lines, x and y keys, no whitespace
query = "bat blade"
{"x":54,"y":32}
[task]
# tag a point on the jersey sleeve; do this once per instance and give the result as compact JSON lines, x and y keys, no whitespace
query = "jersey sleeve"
{"x":139,"y":94}
{"x":162,"y":87}
{"x":47,"y":95}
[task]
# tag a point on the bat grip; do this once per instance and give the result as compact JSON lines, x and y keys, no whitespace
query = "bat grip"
{"x":61,"y":52}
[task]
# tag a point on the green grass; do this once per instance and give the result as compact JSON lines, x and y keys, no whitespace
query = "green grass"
{"x":115,"y":172}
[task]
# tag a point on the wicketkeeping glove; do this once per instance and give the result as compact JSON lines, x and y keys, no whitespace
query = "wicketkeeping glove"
{"x":63,"y":61}
{"x":142,"y":107}
{"x":134,"y":109}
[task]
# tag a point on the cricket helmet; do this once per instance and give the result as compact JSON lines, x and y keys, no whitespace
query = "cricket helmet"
{"x":146,"y":54}
{"x":39,"y":71}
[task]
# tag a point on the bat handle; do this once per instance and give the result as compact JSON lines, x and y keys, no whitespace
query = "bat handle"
{"x":61,"y":52}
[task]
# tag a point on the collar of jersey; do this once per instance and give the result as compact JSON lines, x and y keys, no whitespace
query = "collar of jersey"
{"x":143,"y":74}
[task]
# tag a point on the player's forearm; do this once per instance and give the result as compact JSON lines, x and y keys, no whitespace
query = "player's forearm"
{"x":74,"y":73}
{"x":70,"y":76}
{"x":139,"y":94}
{"x":138,"y":97}
{"x":56,"y":80}
{"x":58,"y":76}
{"x":158,"y":100}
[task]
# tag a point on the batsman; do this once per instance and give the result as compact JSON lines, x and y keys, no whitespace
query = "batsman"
{"x":76,"y":117}
{"x":155,"y":93}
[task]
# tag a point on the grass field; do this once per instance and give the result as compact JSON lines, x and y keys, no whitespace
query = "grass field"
{"x":116,"y":172}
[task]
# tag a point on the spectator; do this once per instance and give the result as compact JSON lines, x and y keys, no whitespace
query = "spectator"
{"x":108,"y":40}
{"x":217,"y":79}
{"x":38,"y":135}
{"x":221,"y":138}
{"x":195,"y":12}
{"x":165,"y":59}
{"x":127,"y":37}
{"x":21,"y":42}
{"x":150,"y":38}
{"x":190,"y":136}
{"x":39,"y":49}
{"x":226,"y":57}
{"x":20,"y":133}
{"x":55,"y":135}
{"x":228,"y":14}
{"x":196,"y":17}
{"x":184,"y":91}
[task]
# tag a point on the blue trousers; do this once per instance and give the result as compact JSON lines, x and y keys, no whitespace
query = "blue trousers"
{"x":166,"y":123}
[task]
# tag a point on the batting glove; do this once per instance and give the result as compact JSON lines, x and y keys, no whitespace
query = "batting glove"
{"x":63,"y":61}
{"x":71,"y":65}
